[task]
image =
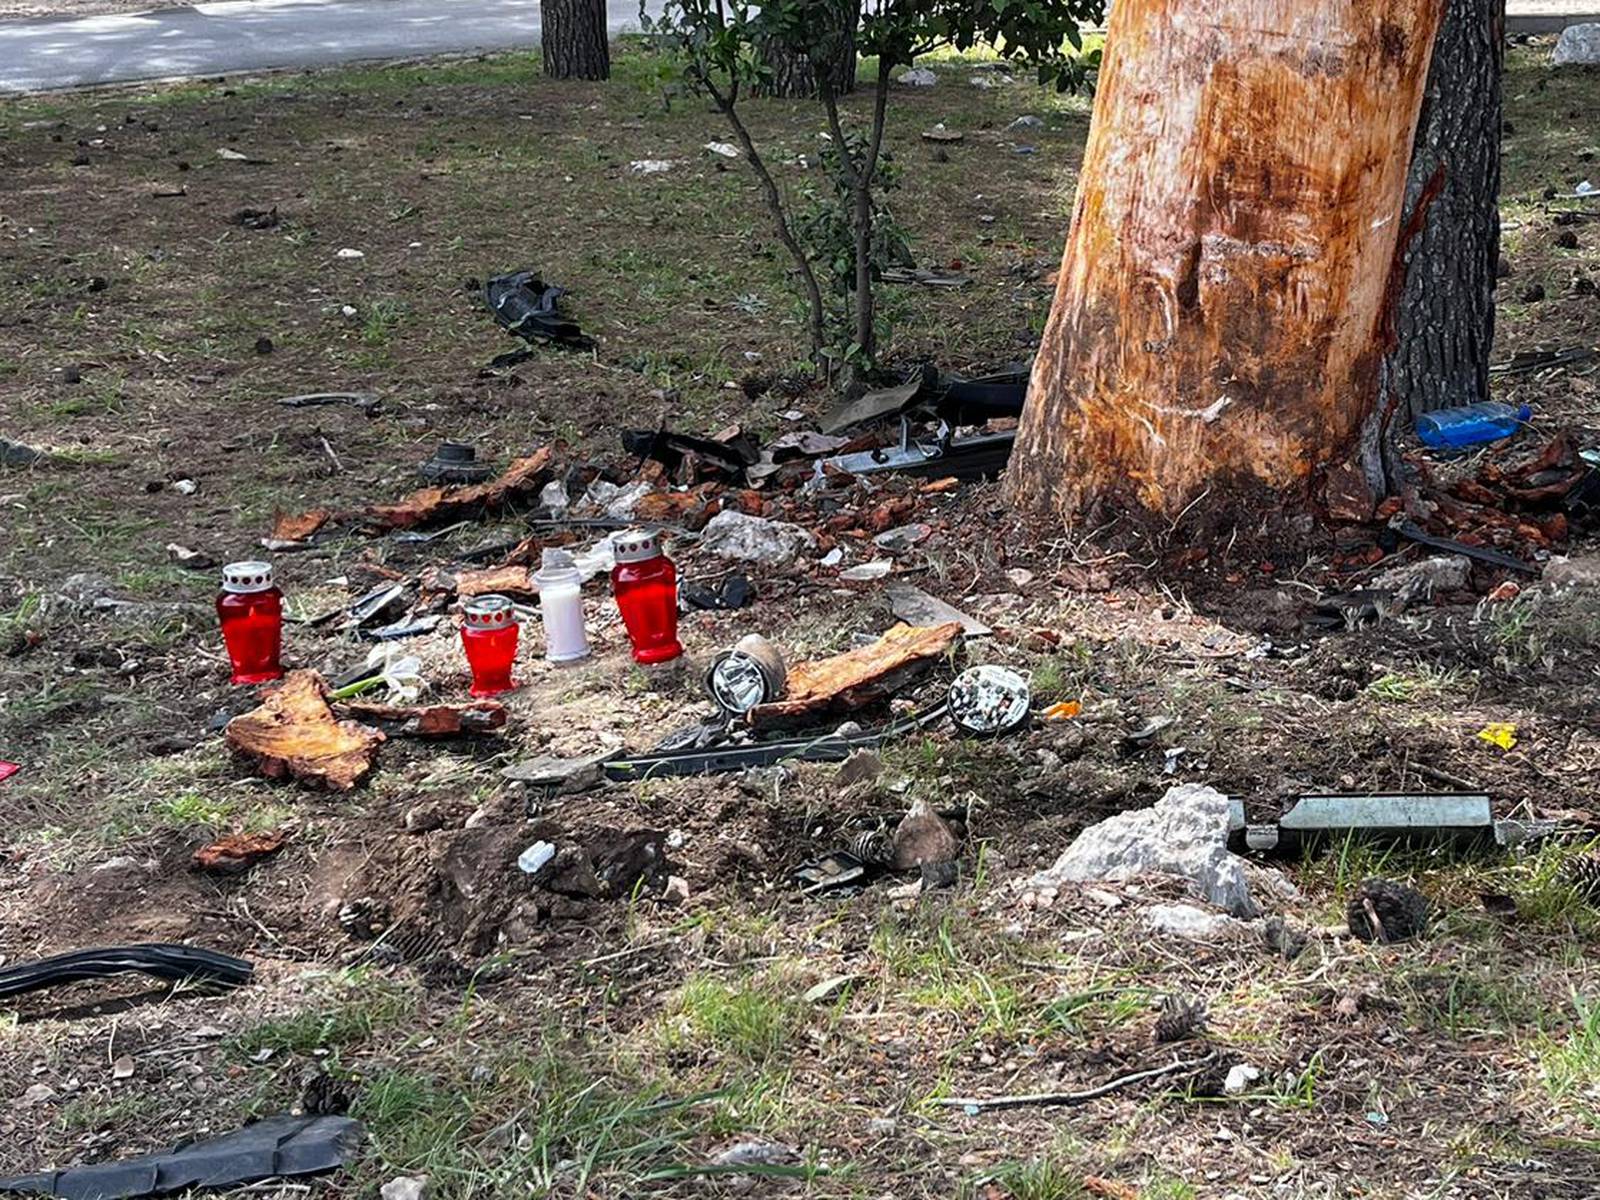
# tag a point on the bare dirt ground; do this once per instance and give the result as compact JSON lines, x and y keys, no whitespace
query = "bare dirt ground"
{"x":507,"y":1042}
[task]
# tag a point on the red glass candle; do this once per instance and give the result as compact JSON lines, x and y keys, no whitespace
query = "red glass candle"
{"x":645,"y":584}
{"x":489,"y":636}
{"x":250,"y":610}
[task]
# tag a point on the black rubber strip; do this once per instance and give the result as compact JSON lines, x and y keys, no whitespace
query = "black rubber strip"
{"x":163,"y":961}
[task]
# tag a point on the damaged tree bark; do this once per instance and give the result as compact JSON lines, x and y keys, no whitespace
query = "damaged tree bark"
{"x":1215,"y":327}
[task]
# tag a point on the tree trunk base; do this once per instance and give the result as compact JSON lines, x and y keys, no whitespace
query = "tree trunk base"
{"x":572,"y":39}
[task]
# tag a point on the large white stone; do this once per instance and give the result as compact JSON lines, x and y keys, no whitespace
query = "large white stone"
{"x":732,"y":534}
{"x":1185,"y":834}
{"x":1579,"y":45}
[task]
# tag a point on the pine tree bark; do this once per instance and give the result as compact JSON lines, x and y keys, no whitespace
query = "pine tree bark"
{"x":1444,"y":322}
{"x":573,"y":39}
{"x":1215,"y":336}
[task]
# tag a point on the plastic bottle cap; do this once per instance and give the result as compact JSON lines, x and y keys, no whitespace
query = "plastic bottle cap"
{"x":489,"y":612}
{"x":556,"y":569}
{"x":242,"y":578}
{"x":636,"y":545}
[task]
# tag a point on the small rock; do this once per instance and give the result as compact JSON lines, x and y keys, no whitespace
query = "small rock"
{"x":1240,"y":1077}
{"x":348,"y":252}
{"x":1578,"y":45}
{"x":917,"y":77}
{"x":1581,"y":572}
{"x":903,"y":538}
{"x":677,"y":890}
{"x":882,"y":1126}
{"x":1187,"y":921}
{"x":1028,"y":121}
{"x":732,"y":534}
{"x":15,"y":454}
{"x":405,"y":1187}
{"x":122,"y":1068}
{"x":1532,"y":294}
{"x":1567,"y":240}
{"x":185,"y":487}
{"x":1019,"y":577}
{"x":1418,"y":581}
{"x":867,"y":572}
{"x":862,"y":766}
{"x":564,"y":775}
{"x":39,"y":1093}
{"x":922,"y":837}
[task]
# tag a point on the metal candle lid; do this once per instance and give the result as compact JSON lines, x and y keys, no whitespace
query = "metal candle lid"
{"x":989,"y":700}
{"x":489,"y":612}
{"x":244,"y":577}
{"x":636,"y":545}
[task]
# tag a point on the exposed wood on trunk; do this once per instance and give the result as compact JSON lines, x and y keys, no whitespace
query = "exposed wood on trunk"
{"x":1214,"y":326}
{"x":294,"y":734}
{"x":572,"y":38}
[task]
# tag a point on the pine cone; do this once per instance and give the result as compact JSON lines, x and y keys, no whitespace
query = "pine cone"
{"x":1385,"y":911}
{"x":324,"y":1096}
{"x":1180,"y":1020}
{"x":1582,"y":875}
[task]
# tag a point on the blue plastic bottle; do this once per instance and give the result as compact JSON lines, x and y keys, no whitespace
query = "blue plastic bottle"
{"x":1488,"y":421}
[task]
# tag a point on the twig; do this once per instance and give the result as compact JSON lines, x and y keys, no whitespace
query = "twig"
{"x":1438,"y":776}
{"x":1059,"y":1098}
{"x":594,"y":962}
{"x":337,"y":465}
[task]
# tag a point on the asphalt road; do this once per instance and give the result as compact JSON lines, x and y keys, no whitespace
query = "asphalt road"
{"x":40,"y":54}
{"x":43,"y":53}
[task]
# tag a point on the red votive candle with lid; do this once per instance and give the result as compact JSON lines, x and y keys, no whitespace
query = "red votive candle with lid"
{"x":250,"y":610}
{"x":489,"y":636}
{"x":645,"y":584}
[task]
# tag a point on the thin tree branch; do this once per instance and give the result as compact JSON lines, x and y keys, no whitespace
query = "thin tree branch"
{"x":1061,"y":1098}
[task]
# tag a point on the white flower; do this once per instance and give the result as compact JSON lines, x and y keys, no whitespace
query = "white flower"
{"x":402,"y":676}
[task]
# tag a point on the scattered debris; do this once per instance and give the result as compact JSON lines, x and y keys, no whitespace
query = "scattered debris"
{"x":750,"y":674}
{"x":454,"y":462}
{"x":917,"y":77}
{"x":1184,"y":834}
{"x":294,"y":733}
{"x":926,"y":276}
{"x":1027,"y":121}
{"x":1462,"y":818}
{"x":650,"y":166}
{"x":535,"y":858}
{"x":858,"y":677}
{"x":430,"y":720}
{"x":238,"y":852}
{"x":940,"y":134}
{"x":1499,"y":733}
{"x":278,"y":1147}
{"x":523,"y":477}
{"x":916,"y":607}
{"x":8,"y":769}
{"x":732,"y":534}
{"x":196,"y":560}
{"x":989,"y":700}
{"x":15,"y":454}
{"x":1409,"y":530}
{"x":736,"y":591}
{"x":527,"y":306}
{"x":175,"y":964}
{"x":723,"y":149}
{"x":1417,"y":582}
{"x":868,"y":572}
{"x":1240,"y":1077}
{"x":560,"y":776}
{"x":297,"y":527}
{"x":1385,"y":911}
{"x":255,"y":218}
{"x":405,"y":1187}
{"x":1471,"y":424}
{"x":365,"y":401}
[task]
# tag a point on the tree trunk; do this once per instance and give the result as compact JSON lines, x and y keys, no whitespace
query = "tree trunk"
{"x":1444,"y":324}
{"x":573,"y":39}
{"x":793,"y":76}
{"x":1216,"y":328}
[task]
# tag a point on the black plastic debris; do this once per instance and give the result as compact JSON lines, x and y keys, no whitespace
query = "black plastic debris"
{"x":834,"y":872}
{"x":454,"y":462}
{"x":1385,"y":911}
{"x":1411,"y":532}
{"x":173,"y":963}
{"x":255,"y":218}
{"x":685,"y":455}
{"x":282,"y":1147}
{"x":736,"y":591}
{"x":15,"y":454}
{"x":527,"y":306}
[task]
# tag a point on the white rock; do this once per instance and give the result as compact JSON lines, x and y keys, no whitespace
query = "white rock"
{"x":1578,"y":45}
{"x":867,"y":572}
{"x":732,"y":534}
{"x":39,"y":1093}
{"x":405,"y":1187}
{"x":918,"y":77}
{"x":1187,"y":921}
{"x":1240,"y":1077}
{"x":348,"y":252}
{"x":1185,"y":834}
{"x":554,"y":496}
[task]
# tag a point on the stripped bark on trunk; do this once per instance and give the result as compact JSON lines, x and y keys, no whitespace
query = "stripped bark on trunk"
{"x":1215,"y":331}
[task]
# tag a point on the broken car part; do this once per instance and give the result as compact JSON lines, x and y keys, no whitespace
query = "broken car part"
{"x":281,"y":1147}
{"x":674,"y":450}
{"x":176,"y":964}
{"x":989,"y":700}
{"x":528,"y":307}
{"x":751,"y":673}
{"x":454,"y":462}
{"x":367,"y":403}
{"x":1462,"y":818}
{"x":858,"y":677}
{"x":1410,"y":531}
{"x":736,"y":591}
{"x":829,"y":747}
{"x":916,"y":607}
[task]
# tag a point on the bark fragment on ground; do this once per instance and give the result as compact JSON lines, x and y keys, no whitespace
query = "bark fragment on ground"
{"x":294,"y":734}
{"x":857,"y":677}
{"x":431,"y":720}
{"x":238,"y":852}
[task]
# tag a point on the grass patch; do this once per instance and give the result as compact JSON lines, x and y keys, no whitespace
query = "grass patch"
{"x":372,"y":1003}
{"x":740,"y":1019}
